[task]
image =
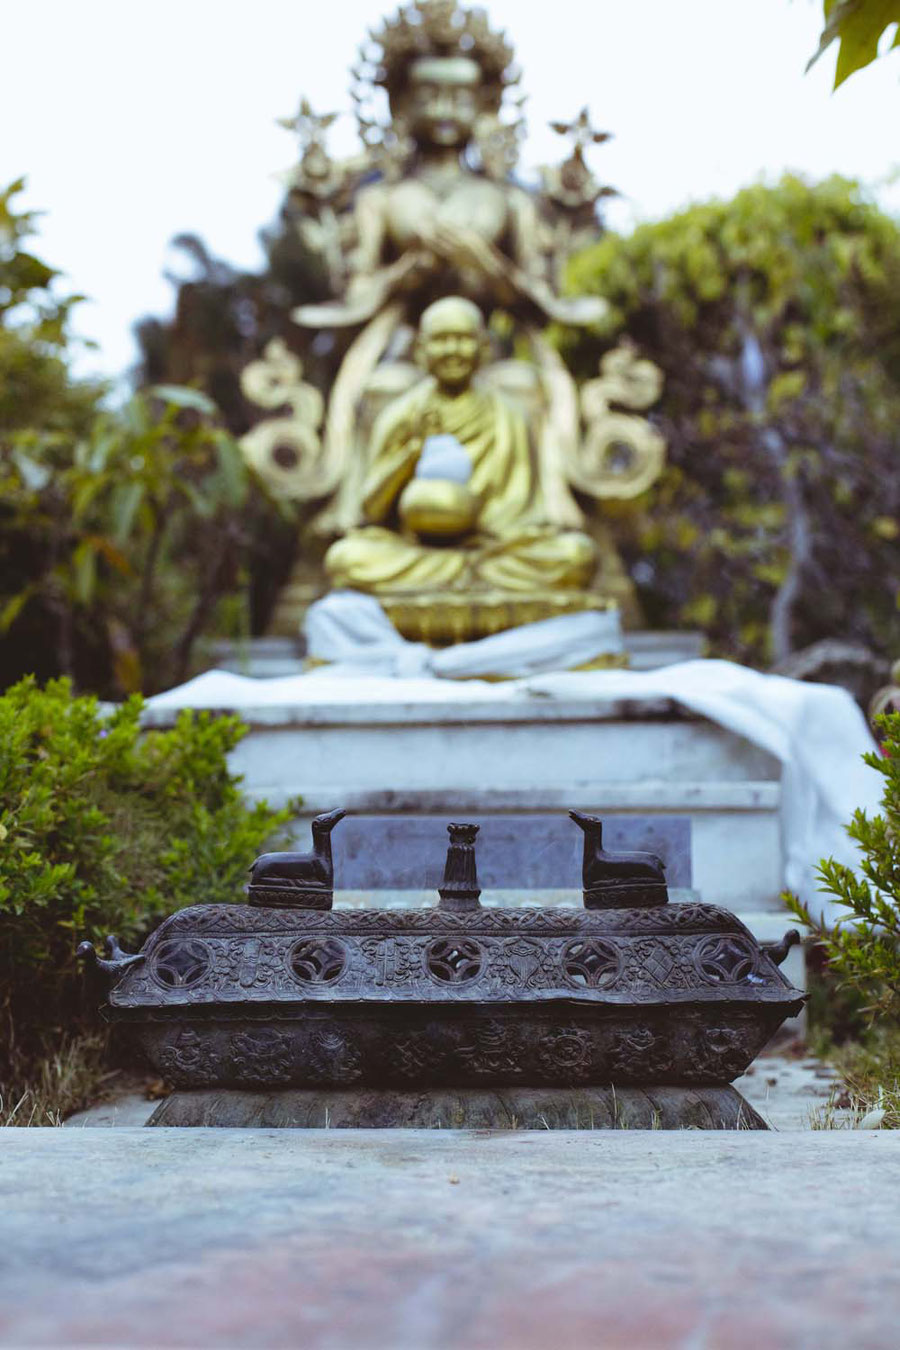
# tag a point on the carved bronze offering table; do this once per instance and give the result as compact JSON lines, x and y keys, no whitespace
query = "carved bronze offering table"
{"x":429,"y":1016}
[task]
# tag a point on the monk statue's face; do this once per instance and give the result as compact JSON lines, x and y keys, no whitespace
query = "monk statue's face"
{"x":443,"y":103}
{"x":451,"y":340}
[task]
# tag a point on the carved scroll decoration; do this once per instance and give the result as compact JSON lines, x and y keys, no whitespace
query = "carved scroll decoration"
{"x":285,"y":450}
{"x":619,"y":455}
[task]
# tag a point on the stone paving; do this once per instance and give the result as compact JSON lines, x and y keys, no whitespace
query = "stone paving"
{"x":792,"y":1094}
{"x":446,"y":1240}
{"x":413,"y":1240}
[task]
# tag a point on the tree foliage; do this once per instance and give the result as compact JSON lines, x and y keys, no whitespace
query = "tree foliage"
{"x":858,"y":27}
{"x":35,"y":386}
{"x":118,"y":549}
{"x":224,"y":318}
{"x":124,"y":534}
{"x":774,"y":318}
{"x":103,"y":828}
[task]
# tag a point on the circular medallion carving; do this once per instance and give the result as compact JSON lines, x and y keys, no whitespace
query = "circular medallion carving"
{"x":591,"y":963}
{"x":453,"y":961}
{"x":181,"y":963}
{"x":728,"y":959}
{"x":565,"y":1049}
{"x":317,"y":960}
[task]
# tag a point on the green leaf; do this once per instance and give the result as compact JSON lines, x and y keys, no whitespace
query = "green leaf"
{"x":85,"y":494}
{"x":858,"y":26}
{"x":860,"y":35}
{"x":123,"y":508}
{"x":180,"y":397}
{"x":233,"y":472}
{"x":13,"y":608}
{"x":84,"y":563}
{"x":785,"y":387}
{"x":204,"y":508}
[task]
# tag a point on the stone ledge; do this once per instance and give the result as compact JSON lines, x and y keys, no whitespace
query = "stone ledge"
{"x":428,"y":710}
{"x":499,"y":898}
{"x":649,"y":795}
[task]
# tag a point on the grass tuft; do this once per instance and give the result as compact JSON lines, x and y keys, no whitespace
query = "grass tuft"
{"x":47,"y":1092}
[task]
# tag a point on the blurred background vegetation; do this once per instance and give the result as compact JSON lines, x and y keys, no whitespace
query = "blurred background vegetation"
{"x":128,"y":535}
{"x":125,"y":534}
{"x":776,"y":322}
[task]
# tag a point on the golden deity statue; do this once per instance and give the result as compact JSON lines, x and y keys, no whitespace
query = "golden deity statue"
{"x":432,"y":212}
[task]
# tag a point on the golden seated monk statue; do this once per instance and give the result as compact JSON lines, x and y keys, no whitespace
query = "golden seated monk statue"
{"x":452,"y":502}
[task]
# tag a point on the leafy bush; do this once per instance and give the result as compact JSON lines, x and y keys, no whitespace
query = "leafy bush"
{"x":103,"y":828}
{"x":855,"y":989}
{"x":864,"y":951}
{"x":774,"y":318}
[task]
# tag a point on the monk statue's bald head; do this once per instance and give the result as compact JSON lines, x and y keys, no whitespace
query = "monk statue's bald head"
{"x":452,"y":340}
{"x":453,"y":311}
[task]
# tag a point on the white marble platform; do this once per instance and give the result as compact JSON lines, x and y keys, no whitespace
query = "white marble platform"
{"x":488,"y":751}
{"x":452,"y":757}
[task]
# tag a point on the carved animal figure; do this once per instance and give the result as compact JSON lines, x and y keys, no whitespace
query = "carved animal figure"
{"x":777,"y":951}
{"x":601,"y":869}
{"x":116,"y":959}
{"x":307,"y":871}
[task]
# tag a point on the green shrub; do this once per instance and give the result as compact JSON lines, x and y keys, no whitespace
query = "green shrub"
{"x":120,"y":548}
{"x":864,"y":951}
{"x":855,"y":989}
{"x":103,"y":828}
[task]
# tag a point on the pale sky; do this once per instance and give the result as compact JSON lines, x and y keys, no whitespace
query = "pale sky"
{"x":136,"y":120}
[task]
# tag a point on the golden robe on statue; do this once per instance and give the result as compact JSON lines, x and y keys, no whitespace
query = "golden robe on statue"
{"x":505,"y":545}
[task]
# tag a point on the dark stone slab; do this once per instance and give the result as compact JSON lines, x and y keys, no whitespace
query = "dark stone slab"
{"x":528,"y":851}
{"x":597,"y":1108}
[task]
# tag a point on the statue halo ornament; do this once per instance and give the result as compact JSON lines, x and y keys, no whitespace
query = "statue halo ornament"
{"x":428,"y":28}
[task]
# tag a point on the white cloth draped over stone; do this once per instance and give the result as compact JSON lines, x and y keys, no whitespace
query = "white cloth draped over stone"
{"x":352,"y":632}
{"x":816,"y":730}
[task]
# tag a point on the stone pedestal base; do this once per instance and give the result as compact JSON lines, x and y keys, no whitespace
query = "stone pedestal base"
{"x":272,"y":657}
{"x":596,"y":1108}
{"x":440,"y":619}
